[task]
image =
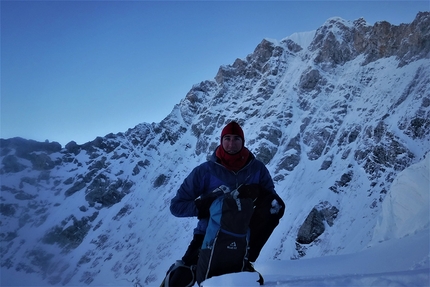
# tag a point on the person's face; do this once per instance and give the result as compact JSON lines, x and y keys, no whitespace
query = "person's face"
{"x":232,"y":143}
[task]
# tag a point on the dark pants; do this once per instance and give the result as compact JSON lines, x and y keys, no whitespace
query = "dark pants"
{"x":263,"y":222}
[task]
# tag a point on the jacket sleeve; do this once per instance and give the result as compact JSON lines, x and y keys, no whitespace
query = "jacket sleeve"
{"x":182,"y":205}
{"x":265,"y":179}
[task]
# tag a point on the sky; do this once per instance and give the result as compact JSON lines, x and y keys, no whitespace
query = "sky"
{"x":75,"y":70}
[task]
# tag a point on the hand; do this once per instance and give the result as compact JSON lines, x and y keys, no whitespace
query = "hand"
{"x":249,"y":191}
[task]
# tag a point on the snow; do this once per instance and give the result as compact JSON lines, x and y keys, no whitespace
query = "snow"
{"x":401,"y":262}
{"x":403,"y":213}
{"x":304,"y":39}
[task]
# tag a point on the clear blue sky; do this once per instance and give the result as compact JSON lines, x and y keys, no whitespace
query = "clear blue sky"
{"x":75,"y":70}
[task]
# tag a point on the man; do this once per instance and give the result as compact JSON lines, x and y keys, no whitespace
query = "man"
{"x":234,"y":166}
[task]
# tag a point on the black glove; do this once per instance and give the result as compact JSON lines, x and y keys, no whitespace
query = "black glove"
{"x":203,"y":204}
{"x":249,"y":191}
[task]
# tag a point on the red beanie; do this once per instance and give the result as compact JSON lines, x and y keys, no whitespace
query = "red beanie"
{"x":232,"y":128}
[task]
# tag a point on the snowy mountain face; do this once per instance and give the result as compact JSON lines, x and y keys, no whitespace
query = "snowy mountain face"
{"x":336,"y":114}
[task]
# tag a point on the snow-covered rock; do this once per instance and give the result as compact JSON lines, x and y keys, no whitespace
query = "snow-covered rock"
{"x":405,"y":209}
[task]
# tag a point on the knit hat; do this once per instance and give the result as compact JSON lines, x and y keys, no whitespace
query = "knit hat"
{"x":233,"y":128}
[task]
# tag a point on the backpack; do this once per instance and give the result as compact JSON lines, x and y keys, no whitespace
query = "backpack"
{"x":225,"y":245}
{"x":180,"y":275}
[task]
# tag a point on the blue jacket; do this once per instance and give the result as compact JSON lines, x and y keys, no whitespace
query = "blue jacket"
{"x":208,"y":176}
